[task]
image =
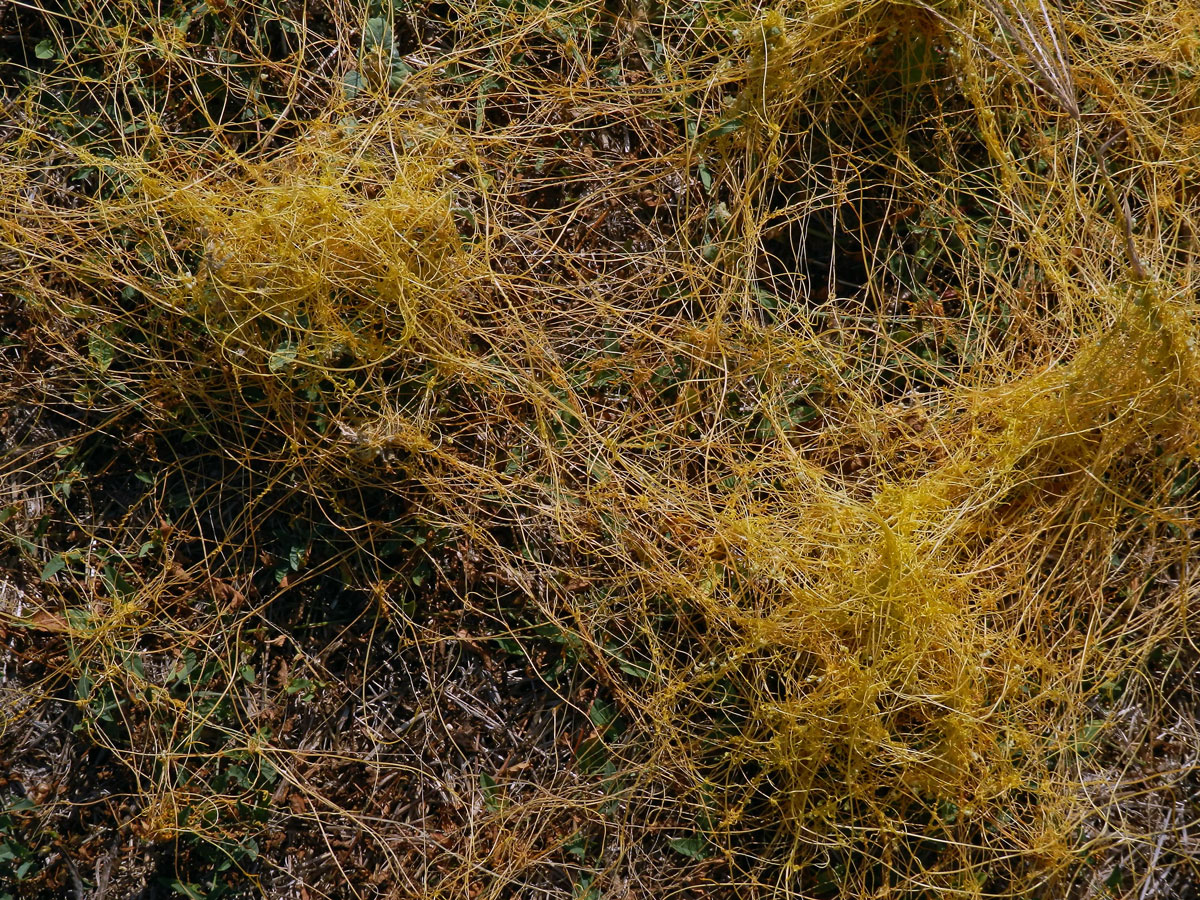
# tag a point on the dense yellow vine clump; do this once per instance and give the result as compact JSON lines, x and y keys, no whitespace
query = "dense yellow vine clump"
{"x":357,"y":256}
{"x":801,"y":398}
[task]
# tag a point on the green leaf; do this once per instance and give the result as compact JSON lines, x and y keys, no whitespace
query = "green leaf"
{"x":399,"y":74}
{"x":509,"y":646}
{"x":56,"y":564}
{"x":693,"y":846}
{"x":1110,"y":690}
{"x":593,"y":758}
{"x":633,"y":669}
{"x":1084,"y":741}
{"x":101,"y":351}
{"x":133,"y":663}
{"x":583,"y":889}
{"x":83,"y":685}
{"x":301,"y":686}
{"x":352,"y":83}
{"x":282,"y":358}
{"x":116,"y":584}
{"x":1114,"y":880}
{"x":601,"y":713}
{"x":727,"y":127}
{"x":491,"y":792}
{"x":577,"y":846}
{"x":249,"y":848}
{"x":45,"y":50}
{"x":377,"y":34}
{"x":191,"y":891}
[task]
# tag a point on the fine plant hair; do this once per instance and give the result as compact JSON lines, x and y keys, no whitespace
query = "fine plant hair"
{"x":601,"y":448}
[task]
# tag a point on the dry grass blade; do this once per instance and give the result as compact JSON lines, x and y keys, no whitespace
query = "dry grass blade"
{"x":1041,"y":44}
